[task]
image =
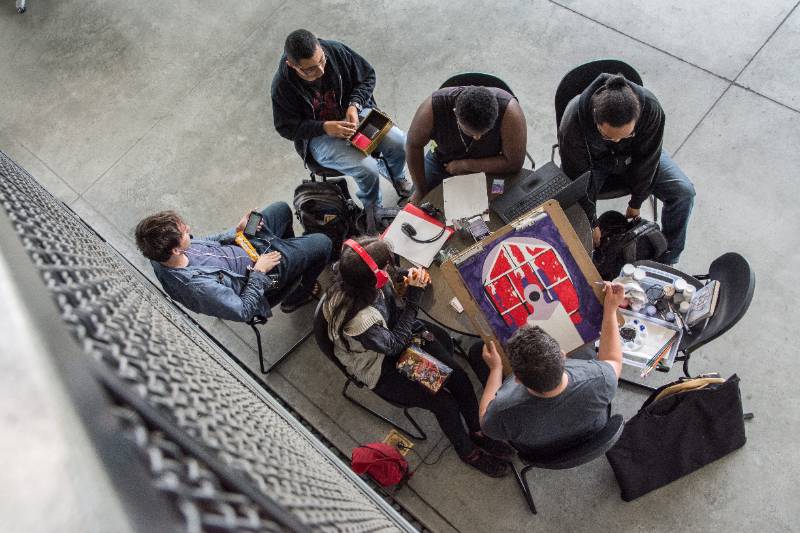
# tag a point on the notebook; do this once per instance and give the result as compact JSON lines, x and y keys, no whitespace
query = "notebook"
{"x":535,"y":188}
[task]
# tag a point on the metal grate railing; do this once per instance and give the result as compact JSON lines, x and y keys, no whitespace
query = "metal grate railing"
{"x":227,"y":454}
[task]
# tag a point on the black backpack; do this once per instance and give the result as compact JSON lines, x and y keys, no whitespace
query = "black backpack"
{"x":375,"y":220}
{"x":625,"y":241}
{"x":326,"y":207}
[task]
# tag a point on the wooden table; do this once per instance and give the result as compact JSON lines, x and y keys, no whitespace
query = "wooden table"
{"x":436,"y":301}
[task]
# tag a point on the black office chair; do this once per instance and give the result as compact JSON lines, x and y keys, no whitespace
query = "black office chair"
{"x":737,"y":283}
{"x":572,"y":85}
{"x":569,"y":457}
{"x":258,"y":320}
{"x":480,"y":79}
{"x":325,"y":344}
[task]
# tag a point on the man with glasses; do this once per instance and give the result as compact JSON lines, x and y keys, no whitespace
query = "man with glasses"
{"x":615,"y":128}
{"x":319,"y":92}
{"x":476,"y":129}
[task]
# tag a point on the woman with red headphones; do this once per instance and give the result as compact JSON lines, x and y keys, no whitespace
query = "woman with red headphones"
{"x":370,"y":332}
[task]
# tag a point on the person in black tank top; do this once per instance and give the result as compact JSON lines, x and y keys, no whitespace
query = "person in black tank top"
{"x":476,"y":129}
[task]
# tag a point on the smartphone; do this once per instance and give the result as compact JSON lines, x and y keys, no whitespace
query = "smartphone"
{"x":253,"y":221}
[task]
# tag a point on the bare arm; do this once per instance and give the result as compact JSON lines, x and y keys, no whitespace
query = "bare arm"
{"x":495,"y":380}
{"x":419,"y":133}
{"x":610,"y":342}
{"x":514,"y":134}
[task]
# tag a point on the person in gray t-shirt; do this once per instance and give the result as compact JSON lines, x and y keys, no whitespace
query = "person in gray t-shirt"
{"x":551,"y":400}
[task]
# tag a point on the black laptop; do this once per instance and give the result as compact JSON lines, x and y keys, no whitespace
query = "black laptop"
{"x":535,"y":188}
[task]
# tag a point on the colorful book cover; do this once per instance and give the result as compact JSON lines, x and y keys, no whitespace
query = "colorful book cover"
{"x":418,"y":365}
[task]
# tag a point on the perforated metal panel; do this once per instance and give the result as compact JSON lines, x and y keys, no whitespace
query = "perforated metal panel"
{"x":163,"y":365}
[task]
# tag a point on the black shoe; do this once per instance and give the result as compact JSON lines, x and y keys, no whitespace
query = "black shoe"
{"x":498,"y":448}
{"x":489,"y":465}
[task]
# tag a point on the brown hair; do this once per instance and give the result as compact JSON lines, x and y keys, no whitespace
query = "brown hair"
{"x":158,"y":234}
{"x":535,"y":358}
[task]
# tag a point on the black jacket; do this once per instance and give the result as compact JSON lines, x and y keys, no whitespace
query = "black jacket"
{"x":635,"y":160}
{"x":291,"y":106}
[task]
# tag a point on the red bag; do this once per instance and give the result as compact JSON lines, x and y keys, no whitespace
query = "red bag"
{"x":381,"y":462}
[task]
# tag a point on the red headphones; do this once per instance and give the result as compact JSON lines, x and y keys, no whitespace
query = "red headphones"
{"x":381,"y":277}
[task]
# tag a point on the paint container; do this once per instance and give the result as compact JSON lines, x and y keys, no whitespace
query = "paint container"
{"x":680,"y":286}
{"x":670,"y":316}
{"x":627,"y":270}
{"x":650,"y":310}
{"x":684,"y":307}
{"x":639,"y":274}
{"x":688,"y":293}
{"x":668,"y":290}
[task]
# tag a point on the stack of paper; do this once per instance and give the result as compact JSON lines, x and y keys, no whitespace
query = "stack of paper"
{"x":426,"y":227}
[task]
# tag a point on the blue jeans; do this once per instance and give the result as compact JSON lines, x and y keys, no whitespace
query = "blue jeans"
{"x":435,"y":172}
{"x":301,"y":257}
{"x":676,"y":191}
{"x":339,"y":155}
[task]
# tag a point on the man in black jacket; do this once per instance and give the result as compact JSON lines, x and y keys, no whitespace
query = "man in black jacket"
{"x":616,"y":128}
{"x":318,"y":93}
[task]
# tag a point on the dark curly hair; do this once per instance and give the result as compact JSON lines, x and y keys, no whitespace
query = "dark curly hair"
{"x":615,"y":103}
{"x":158,"y":234}
{"x":300,"y":44}
{"x":476,"y":108}
{"x":536,"y":359}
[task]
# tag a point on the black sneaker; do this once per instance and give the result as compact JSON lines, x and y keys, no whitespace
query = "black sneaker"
{"x":497,"y":448}
{"x":489,"y":465}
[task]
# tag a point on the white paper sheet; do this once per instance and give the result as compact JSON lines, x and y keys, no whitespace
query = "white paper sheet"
{"x":465,"y":196}
{"x":418,"y":253}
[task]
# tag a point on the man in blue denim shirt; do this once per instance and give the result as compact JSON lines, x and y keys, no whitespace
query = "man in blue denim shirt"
{"x":215,"y":276}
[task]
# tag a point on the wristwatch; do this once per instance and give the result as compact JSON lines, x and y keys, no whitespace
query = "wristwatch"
{"x":356,"y":105}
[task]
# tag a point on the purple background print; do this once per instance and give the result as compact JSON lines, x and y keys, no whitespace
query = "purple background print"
{"x":544,"y":229}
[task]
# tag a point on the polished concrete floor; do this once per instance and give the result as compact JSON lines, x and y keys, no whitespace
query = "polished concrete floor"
{"x":125,"y":108}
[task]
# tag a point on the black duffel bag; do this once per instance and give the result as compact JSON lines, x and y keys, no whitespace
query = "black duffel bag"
{"x":626,"y":241}
{"x":675,"y":435}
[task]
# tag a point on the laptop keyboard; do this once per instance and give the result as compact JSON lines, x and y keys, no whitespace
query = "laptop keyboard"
{"x":538,"y":198}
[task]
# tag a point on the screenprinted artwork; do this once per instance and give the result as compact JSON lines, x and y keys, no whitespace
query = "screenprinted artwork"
{"x":529,"y":276}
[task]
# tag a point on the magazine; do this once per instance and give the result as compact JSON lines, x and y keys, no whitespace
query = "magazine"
{"x":420,"y":366}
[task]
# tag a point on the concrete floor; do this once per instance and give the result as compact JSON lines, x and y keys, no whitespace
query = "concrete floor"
{"x":124,"y":108}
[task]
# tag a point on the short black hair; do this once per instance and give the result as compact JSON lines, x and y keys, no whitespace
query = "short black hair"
{"x":536,"y":359}
{"x":476,"y":107}
{"x":615,"y":103}
{"x":300,"y":44}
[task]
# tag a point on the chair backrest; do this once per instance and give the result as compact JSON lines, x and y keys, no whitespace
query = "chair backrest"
{"x":580,"y":77}
{"x":325,"y":343}
{"x":737,"y":285}
{"x":582,"y":453}
{"x":478,"y":79}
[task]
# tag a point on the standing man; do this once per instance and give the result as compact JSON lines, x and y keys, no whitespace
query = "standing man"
{"x":615,"y":128}
{"x":476,"y":129}
{"x":551,"y":400}
{"x":319,"y":92}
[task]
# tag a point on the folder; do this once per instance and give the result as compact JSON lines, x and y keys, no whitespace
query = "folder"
{"x":427,"y":227}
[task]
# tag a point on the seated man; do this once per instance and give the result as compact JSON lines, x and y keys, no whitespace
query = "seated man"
{"x":615,"y":128}
{"x":551,"y":400}
{"x":476,"y":129}
{"x":215,"y":276}
{"x":318,"y":93}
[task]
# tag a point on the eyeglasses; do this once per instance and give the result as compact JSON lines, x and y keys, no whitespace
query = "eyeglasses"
{"x":617,"y":139}
{"x":308,"y":71}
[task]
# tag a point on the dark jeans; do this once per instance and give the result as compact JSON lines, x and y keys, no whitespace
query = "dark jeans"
{"x":302,"y":257}
{"x":455,"y":400}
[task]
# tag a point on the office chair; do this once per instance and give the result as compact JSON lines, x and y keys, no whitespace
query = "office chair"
{"x":479,"y":79}
{"x":573,"y":84}
{"x":258,"y":320}
{"x":325,"y":344}
{"x":568,"y":457}
{"x":737,"y":283}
